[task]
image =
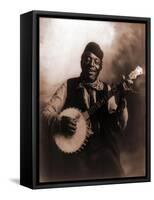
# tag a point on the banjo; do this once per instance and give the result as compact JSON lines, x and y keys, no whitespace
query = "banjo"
{"x":79,"y":139}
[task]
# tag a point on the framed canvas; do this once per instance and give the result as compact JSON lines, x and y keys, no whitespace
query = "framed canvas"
{"x":85,"y":99}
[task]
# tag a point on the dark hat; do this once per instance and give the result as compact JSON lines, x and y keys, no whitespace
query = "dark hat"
{"x":95,"y":49}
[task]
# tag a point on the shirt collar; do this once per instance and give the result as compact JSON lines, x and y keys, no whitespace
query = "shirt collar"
{"x":97,"y":85}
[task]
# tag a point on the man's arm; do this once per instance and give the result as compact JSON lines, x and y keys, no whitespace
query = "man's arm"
{"x":51,"y":111}
{"x":122,"y":114}
{"x":118,"y":113}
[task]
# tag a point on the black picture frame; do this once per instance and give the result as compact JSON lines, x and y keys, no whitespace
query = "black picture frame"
{"x":29,"y":98}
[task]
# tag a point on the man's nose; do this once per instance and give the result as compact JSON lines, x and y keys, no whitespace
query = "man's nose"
{"x":92,"y":63}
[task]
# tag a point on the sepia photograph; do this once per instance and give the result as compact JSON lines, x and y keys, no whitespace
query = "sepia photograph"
{"x":92,"y":99}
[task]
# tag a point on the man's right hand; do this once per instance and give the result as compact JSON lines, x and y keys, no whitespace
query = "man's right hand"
{"x":68,"y":125}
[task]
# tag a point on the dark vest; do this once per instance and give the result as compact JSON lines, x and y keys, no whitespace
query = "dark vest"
{"x":75,"y":98}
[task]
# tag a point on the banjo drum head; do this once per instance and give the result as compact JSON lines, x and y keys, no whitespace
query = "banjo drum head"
{"x":73,"y":143}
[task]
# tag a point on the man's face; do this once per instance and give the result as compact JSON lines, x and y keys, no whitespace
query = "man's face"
{"x":91,"y":66}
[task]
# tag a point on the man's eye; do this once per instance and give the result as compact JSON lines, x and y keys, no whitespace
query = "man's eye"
{"x":89,"y":59}
{"x":97,"y":61}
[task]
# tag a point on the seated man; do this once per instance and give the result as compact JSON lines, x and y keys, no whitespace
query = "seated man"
{"x":100,"y":158}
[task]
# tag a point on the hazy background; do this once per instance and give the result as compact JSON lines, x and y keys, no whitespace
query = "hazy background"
{"x":62,"y":42}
